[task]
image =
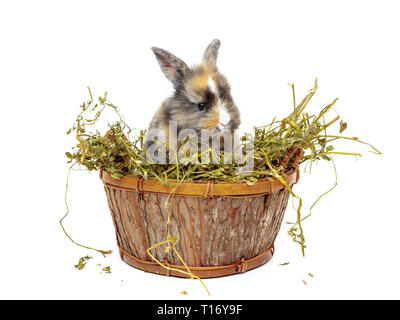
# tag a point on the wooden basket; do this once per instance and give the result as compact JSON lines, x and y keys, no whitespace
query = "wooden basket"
{"x":223,"y":228}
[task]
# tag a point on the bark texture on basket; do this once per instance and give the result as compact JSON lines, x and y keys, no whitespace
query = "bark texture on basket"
{"x":211,"y":231}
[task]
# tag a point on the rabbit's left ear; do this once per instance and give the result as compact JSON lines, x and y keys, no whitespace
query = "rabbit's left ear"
{"x":211,"y":54}
{"x":172,"y":67}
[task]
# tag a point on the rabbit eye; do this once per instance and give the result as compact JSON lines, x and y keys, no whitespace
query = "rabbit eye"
{"x":201,"y":106}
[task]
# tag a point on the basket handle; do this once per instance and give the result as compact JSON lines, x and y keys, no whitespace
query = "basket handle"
{"x":298,"y":151}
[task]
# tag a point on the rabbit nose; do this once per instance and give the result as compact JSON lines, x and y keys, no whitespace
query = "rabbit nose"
{"x":224,"y":118}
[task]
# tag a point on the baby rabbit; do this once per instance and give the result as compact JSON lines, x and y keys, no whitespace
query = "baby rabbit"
{"x":202,"y":97}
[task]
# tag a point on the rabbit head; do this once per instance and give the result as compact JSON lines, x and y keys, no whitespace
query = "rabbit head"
{"x":202,"y":95}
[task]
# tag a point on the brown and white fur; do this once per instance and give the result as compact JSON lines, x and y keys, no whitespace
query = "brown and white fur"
{"x":202,"y":96}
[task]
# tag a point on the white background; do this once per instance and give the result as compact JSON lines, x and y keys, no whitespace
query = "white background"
{"x":51,"y":50}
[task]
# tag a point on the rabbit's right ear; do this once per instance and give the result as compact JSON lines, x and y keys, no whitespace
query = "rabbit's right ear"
{"x":211,"y":54}
{"x":172,"y":67}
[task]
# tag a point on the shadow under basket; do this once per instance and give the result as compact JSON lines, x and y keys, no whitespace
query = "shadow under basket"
{"x":222,"y":228}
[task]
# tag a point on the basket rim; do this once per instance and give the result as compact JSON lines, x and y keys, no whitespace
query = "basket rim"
{"x":199,"y":188}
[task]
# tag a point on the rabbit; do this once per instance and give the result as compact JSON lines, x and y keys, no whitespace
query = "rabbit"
{"x":201,"y":98}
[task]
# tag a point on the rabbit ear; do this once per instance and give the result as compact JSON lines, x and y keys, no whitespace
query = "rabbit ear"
{"x":173,"y":67}
{"x":211,"y":54}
